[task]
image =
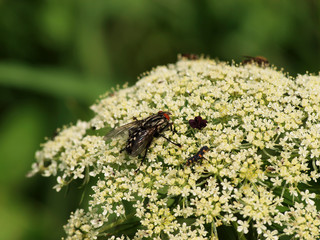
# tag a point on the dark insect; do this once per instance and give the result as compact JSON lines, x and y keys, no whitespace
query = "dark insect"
{"x":198,"y":122}
{"x":197,"y":156}
{"x":142,"y":132}
{"x":189,"y":56}
{"x":261,"y":61}
{"x":270,"y":169}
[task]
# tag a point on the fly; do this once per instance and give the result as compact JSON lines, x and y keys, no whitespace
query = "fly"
{"x":142,"y":132}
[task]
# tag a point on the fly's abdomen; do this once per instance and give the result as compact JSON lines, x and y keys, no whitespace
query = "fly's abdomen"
{"x":138,"y":141}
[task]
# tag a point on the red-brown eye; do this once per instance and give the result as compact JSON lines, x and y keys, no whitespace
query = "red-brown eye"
{"x":166,"y":115}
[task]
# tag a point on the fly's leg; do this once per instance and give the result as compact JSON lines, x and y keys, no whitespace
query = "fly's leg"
{"x":177,"y":144}
{"x":144,"y":156}
{"x":172,"y":129}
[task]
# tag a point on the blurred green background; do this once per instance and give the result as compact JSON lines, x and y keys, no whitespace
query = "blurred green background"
{"x":57,"y":57}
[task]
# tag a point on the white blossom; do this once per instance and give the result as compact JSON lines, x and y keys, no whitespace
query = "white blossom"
{"x":263,"y":137}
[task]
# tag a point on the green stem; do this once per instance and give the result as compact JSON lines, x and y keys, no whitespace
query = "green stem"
{"x":116,"y":223}
{"x":214,"y":229}
{"x":265,"y":152}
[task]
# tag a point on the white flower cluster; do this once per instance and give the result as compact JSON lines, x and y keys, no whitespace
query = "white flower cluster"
{"x":263,"y":135}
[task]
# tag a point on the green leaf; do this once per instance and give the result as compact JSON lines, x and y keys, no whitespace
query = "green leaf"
{"x":21,"y":132}
{"x":57,"y":83}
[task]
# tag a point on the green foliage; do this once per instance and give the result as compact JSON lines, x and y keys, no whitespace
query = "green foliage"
{"x":57,"y":57}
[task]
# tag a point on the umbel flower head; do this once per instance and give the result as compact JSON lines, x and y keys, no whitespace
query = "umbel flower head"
{"x":257,"y":178}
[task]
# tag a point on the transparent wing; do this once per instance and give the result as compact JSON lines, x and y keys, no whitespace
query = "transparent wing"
{"x":122,"y":129}
{"x":143,"y":138}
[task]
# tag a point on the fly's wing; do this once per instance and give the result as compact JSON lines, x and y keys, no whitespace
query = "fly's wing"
{"x":122,"y":129}
{"x":139,"y":141}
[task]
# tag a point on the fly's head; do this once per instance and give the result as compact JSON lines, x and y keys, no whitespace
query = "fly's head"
{"x":163,"y":121}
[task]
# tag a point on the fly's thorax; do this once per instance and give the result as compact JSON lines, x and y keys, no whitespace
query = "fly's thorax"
{"x":163,"y":126}
{"x":155,"y":121}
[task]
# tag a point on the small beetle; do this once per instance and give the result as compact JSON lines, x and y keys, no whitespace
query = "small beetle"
{"x":197,"y":156}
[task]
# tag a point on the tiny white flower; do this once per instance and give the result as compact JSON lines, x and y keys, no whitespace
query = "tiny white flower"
{"x":243,"y":226}
{"x":306,"y":197}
